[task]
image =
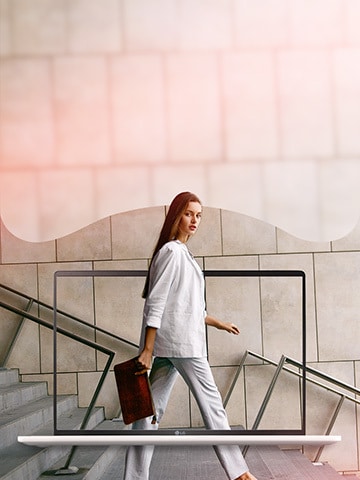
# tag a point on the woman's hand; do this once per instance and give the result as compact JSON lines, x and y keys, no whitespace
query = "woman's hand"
{"x":227,"y":326}
{"x":144,"y":362}
{"x":230,"y":327}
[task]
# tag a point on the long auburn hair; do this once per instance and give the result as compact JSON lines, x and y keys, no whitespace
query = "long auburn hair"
{"x":171,"y":226}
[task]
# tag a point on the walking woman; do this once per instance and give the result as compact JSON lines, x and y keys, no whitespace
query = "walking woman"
{"x":173,"y":337}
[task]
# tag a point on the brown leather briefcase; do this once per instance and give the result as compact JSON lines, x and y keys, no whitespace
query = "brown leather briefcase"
{"x":134,"y":392}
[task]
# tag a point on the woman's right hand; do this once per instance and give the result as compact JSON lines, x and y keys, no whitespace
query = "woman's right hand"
{"x":144,"y":362}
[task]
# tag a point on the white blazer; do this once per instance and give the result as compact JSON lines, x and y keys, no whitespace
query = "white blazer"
{"x":175,"y":304}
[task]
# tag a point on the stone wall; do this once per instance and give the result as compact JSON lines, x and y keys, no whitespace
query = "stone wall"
{"x":112,"y":105}
{"x":267,"y":312}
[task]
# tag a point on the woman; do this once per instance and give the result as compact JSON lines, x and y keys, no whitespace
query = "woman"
{"x":174,"y":333}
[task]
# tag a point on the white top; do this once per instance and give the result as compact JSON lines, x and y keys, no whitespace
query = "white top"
{"x":175,"y":304}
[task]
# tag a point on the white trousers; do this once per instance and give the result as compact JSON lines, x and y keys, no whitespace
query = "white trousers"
{"x":198,"y":376}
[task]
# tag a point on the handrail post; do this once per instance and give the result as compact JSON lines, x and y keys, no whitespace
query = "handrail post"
{"x":66,"y":469}
{"x":269,"y":392}
{"x":232,"y":386}
{"x":17,"y":333}
{"x":330,"y":426}
{"x":267,"y":397}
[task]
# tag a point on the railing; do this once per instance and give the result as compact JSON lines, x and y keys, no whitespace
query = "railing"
{"x":32,"y":301}
{"x":281,"y":366}
{"x":25,"y":314}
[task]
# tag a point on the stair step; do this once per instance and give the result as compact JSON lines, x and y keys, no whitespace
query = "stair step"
{"x":331,"y":474}
{"x":351,"y":477}
{"x":322,"y":471}
{"x":19,"y":394}
{"x":72,"y":420}
{"x":27,"y":409}
{"x":8,"y":376}
{"x":198,"y":463}
{"x":276,"y":461}
{"x":29,"y":418}
{"x":18,"y":461}
{"x":318,"y":471}
{"x":92,"y":461}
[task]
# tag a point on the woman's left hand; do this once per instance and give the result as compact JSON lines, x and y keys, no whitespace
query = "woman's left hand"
{"x":227,"y":326}
{"x":230,"y":328}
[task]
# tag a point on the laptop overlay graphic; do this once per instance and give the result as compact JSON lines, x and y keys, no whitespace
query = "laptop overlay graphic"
{"x":268,"y":305}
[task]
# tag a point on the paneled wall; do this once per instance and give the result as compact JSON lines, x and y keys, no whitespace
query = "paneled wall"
{"x":112,"y":105}
{"x":267,"y":312}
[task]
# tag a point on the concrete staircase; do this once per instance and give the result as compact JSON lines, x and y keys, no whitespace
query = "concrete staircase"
{"x":26,"y":409}
{"x":201,"y":463}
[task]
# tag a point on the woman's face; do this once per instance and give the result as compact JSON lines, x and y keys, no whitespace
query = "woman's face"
{"x":189,"y":221}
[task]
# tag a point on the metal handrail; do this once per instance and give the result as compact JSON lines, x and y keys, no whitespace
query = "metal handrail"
{"x":48,"y":325}
{"x":32,"y":301}
{"x":69,"y":316}
{"x":317,"y":373}
{"x":281,"y":366}
{"x":25,"y":314}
